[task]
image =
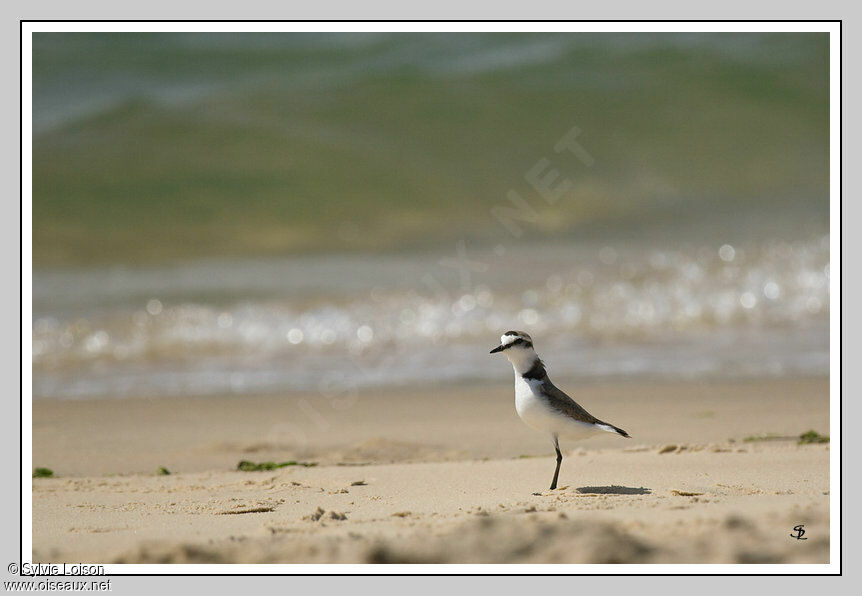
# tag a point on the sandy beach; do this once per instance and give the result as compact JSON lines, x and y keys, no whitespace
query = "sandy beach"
{"x":436,"y":476}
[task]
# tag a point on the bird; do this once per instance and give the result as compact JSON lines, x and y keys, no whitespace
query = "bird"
{"x":540,"y":404}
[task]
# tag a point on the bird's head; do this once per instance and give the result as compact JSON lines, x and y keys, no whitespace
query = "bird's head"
{"x":517,"y":346}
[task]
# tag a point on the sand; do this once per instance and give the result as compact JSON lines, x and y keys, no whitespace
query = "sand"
{"x":448,"y":475}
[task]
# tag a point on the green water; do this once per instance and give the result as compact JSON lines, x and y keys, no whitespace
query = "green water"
{"x":154,"y":148}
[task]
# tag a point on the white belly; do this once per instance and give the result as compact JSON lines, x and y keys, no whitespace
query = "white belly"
{"x":538,"y":415}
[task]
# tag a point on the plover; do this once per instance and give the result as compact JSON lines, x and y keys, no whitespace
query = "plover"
{"x":540,"y":404}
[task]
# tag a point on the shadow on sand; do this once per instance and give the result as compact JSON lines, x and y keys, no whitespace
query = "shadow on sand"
{"x":613,"y":490}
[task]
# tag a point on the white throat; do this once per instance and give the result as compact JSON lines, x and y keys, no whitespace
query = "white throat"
{"x":522,"y":359}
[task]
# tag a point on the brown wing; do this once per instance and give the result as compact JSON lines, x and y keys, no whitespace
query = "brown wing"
{"x":566,"y":405}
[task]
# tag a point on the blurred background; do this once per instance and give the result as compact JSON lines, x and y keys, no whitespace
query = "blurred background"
{"x":266,"y":213}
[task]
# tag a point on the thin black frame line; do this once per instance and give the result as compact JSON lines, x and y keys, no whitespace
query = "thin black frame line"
{"x":840,"y":281}
{"x":432,"y":21}
{"x":21,"y":293}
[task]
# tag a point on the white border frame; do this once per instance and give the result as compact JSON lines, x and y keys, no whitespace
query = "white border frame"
{"x":831,"y":27}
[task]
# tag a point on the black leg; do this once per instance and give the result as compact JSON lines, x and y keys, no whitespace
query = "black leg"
{"x":559,"y":461}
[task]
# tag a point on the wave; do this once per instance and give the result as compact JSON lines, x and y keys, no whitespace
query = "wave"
{"x":595,"y":312}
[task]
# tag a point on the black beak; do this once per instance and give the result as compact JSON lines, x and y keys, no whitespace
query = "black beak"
{"x":497,"y":349}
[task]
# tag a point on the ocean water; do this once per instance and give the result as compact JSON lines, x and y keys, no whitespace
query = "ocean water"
{"x":152,"y":148}
{"x":233,"y":214}
{"x":338,"y":323}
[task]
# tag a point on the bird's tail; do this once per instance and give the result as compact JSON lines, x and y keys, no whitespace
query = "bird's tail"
{"x":612,"y":429}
